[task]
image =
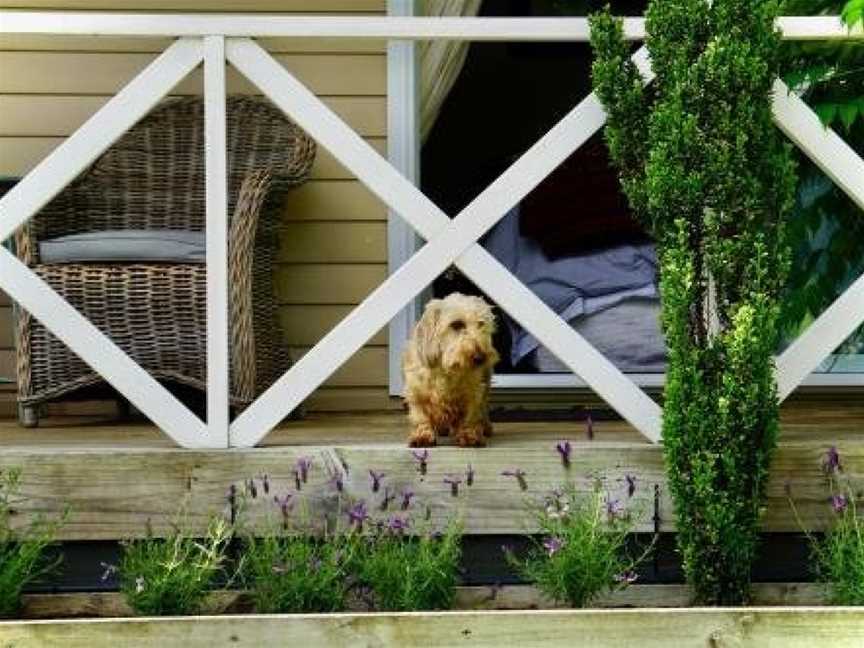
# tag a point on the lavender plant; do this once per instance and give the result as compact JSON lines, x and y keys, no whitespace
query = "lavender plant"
{"x":299,"y":572}
{"x":410,"y":573}
{"x":173,"y":576}
{"x":839,"y":555}
{"x":580,"y":554}
{"x":296,"y":565}
{"x":23,"y":559}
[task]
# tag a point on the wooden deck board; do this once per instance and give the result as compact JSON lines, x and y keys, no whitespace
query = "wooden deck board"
{"x":115,"y":478}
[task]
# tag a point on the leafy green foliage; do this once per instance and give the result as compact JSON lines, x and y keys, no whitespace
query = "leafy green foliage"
{"x":826,"y":229}
{"x":22,"y":552}
{"x":173,"y":576}
{"x":581,"y":554}
{"x":709,"y":175}
{"x":411,"y":573}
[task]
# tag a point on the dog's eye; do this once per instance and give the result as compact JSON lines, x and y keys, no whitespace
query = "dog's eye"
{"x":457,"y":325}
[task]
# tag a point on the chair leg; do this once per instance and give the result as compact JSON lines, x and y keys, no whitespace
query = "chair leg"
{"x":28,"y":415}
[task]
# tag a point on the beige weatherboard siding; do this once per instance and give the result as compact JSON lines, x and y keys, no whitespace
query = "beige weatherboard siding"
{"x":334,"y":247}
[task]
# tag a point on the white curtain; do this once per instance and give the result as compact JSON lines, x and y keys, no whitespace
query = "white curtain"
{"x":441,"y":61}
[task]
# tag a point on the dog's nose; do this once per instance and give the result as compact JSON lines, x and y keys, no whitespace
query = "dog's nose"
{"x":479,"y":359}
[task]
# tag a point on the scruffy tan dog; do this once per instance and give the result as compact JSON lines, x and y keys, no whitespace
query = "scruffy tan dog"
{"x":447,"y":368}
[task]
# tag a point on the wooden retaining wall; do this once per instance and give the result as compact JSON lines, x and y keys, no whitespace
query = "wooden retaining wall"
{"x":646,"y":628}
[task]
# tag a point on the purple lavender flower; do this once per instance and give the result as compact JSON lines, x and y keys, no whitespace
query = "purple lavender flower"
{"x":397,"y":525}
{"x":376,"y":478}
{"x":589,"y":426}
{"x":626,"y":578}
{"x":252,"y":489}
{"x":388,"y":497}
{"x":454,"y":484}
{"x":315,"y":564}
{"x":358,"y":514}
{"x":407,"y":495}
{"x":563,"y":448}
{"x":839,"y":503}
{"x":265,"y":483}
{"x":285,"y":503}
{"x":304,"y":464}
{"x":337,"y":481}
{"x":553,"y":545}
{"x":519,"y":474}
{"x":631,"y":484}
{"x":232,"y":501}
{"x":469,"y":475}
{"x":422,"y":457}
{"x":614,"y":508}
{"x":832,"y":461}
{"x":298,"y":482}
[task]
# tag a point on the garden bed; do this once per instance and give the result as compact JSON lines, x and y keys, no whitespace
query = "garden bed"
{"x":801,"y":627}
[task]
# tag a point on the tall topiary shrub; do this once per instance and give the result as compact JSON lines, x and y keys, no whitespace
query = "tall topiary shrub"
{"x":703,"y":165}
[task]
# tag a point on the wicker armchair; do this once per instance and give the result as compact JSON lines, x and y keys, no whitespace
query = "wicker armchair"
{"x":153,"y":178}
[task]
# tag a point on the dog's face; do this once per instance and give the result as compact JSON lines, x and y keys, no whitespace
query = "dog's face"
{"x":455,"y":333}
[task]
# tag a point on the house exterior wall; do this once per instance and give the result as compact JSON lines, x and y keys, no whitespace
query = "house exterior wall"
{"x":334,"y":248}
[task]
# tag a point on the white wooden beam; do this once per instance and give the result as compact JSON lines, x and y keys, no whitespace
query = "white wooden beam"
{"x":217,"y":240}
{"x":98,"y":351}
{"x":417,"y":28}
{"x":820,"y":339}
{"x":843,"y":165}
{"x":446,"y":241}
{"x":69,"y":159}
{"x":822,"y":145}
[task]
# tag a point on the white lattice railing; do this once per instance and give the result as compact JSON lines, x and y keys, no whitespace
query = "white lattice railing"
{"x":215,"y":39}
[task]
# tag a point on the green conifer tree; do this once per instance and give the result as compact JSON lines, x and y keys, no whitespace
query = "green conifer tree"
{"x":708,"y":173}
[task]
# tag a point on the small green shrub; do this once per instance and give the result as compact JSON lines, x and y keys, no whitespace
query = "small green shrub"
{"x":581,"y":551}
{"x":839,"y":556}
{"x":410,"y":573}
{"x":22,"y":553}
{"x":172,"y":576}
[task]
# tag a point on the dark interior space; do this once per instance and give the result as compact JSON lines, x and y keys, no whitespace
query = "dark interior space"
{"x":506,"y":98}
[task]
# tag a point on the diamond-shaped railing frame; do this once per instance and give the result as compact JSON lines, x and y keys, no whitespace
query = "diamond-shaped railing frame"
{"x":449,"y":241}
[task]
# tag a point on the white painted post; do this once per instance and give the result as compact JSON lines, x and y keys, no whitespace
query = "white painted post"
{"x":403,"y":152}
{"x":217,"y":241}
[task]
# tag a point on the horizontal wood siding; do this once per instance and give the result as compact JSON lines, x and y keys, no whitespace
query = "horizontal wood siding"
{"x":333,"y":230}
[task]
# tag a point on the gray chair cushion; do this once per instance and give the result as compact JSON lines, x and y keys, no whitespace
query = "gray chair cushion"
{"x":125,"y":246}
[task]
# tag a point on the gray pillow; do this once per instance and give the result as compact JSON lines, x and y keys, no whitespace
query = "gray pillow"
{"x":125,"y":246}
{"x":628,"y":334}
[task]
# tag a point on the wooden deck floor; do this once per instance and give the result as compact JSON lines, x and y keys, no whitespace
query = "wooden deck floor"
{"x":116,"y":477}
{"x":811,"y":421}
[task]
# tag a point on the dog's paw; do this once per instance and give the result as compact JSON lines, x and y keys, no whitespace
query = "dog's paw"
{"x":422,"y":438}
{"x":471,"y":437}
{"x":487,"y":429}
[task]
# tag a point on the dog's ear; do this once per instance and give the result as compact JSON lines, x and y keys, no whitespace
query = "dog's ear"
{"x":426,"y":334}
